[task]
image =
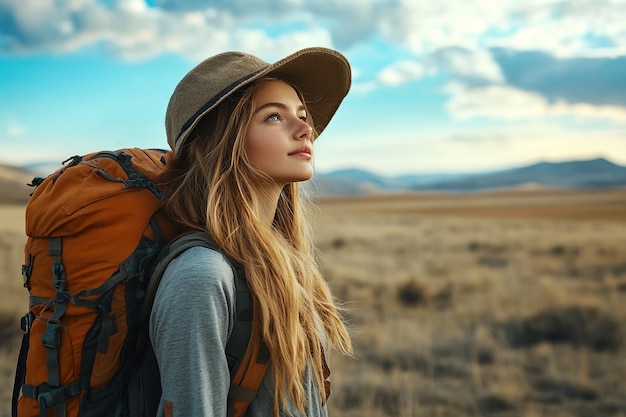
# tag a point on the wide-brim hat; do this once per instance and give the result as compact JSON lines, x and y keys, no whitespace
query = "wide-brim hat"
{"x":322,"y":75}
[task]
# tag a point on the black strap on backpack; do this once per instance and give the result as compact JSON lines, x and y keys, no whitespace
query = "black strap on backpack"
{"x":20,"y":371}
{"x":148,"y":390}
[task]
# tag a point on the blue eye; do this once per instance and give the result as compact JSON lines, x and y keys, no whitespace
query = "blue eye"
{"x":275,"y":117}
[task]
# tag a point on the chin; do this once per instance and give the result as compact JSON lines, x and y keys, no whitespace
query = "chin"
{"x":286,"y":176}
{"x":307,"y":176}
{"x":299,"y":178}
{"x":303,"y":175}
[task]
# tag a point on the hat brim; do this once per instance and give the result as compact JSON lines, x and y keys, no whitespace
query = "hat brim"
{"x":323,"y":77}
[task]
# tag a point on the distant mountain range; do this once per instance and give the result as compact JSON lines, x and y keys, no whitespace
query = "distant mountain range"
{"x":595,"y":173}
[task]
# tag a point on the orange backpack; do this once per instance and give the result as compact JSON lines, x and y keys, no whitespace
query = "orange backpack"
{"x":95,"y":232}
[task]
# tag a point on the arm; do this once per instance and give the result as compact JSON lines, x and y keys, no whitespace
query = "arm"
{"x":189,"y":327}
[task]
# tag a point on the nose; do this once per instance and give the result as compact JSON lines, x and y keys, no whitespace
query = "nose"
{"x":304,"y":131}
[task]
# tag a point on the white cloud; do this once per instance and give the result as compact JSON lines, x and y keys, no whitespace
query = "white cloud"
{"x":528,"y":143}
{"x":134,"y":30}
{"x":470,"y":65}
{"x":562,"y":28}
{"x":257,"y":40}
{"x":499,"y":102}
{"x":363,"y":87}
{"x":422,"y":25}
{"x":401,"y":72}
{"x":444,"y":37}
{"x":589,"y":111}
{"x":14,"y":130}
{"x":425,"y":26}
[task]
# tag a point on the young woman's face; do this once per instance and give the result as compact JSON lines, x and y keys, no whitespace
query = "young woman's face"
{"x":278,"y":139}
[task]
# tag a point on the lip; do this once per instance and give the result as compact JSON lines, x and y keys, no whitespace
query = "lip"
{"x":303,"y":151}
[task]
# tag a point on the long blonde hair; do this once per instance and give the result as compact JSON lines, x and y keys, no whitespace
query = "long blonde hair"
{"x":217,"y":192}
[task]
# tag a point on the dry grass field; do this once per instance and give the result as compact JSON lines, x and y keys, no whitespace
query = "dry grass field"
{"x":488,"y":304}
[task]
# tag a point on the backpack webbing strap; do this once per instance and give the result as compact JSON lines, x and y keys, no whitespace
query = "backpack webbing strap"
{"x":135,"y":178}
{"x":79,"y":298}
{"x":167,"y":255}
{"x":240,"y":334}
{"x":51,"y":338}
{"x":20,"y":373}
{"x":247,"y":355}
{"x":247,"y":378}
{"x":49,"y":396}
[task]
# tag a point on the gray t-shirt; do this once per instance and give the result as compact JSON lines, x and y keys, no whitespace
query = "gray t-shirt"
{"x":190,"y":324}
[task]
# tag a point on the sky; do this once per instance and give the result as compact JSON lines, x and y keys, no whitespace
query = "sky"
{"x":447,"y":86}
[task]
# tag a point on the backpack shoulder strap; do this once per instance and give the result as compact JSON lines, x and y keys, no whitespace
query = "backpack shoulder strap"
{"x":167,"y":255}
{"x":247,"y":355}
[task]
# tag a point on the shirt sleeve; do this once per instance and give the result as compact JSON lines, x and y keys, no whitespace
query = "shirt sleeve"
{"x":190,"y":324}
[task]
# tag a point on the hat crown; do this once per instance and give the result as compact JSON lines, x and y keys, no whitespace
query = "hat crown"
{"x":205,"y":85}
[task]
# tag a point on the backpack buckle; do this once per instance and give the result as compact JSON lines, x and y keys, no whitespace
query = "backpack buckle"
{"x":58,"y":272}
{"x":51,"y":339}
{"x":26,"y":322}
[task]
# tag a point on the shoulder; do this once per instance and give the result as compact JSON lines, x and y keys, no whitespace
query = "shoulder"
{"x":197,"y":271}
{"x":198,"y":286}
{"x":199,"y":261}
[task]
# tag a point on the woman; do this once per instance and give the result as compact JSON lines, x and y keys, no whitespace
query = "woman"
{"x":242,"y":132}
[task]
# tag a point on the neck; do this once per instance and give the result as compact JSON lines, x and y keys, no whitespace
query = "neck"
{"x":267,"y":203}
